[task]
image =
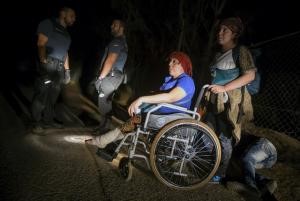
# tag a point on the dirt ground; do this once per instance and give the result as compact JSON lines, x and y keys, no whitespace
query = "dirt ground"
{"x":287,"y":169}
{"x":59,"y":166}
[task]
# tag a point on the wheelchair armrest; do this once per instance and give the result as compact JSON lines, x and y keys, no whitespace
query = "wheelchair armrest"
{"x":171,"y":106}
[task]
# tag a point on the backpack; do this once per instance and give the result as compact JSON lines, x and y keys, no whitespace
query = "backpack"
{"x":254,"y":86}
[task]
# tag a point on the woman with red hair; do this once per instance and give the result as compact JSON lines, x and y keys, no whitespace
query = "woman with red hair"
{"x":178,"y":89}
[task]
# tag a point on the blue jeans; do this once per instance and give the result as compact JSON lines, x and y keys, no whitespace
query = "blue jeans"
{"x":262,"y":154}
{"x":219,"y":125}
{"x":226,"y":151}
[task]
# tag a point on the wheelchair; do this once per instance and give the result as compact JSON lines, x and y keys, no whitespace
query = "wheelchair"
{"x":184,"y":154}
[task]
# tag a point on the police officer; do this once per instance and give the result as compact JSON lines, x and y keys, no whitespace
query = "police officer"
{"x":111,"y":73}
{"x":53,"y":42}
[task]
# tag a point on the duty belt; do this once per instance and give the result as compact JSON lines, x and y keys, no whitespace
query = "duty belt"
{"x":52,"y":60}
{"x":55,"y":62}
{"x":112,"y":73}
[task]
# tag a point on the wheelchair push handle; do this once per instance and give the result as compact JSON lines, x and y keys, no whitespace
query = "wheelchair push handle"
{"x":201,"y":94}
{"x":199,"y":98}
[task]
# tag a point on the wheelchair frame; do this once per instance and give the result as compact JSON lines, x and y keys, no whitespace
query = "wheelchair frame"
{"x":184,"y":160}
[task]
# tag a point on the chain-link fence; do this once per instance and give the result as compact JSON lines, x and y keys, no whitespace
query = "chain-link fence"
{"x":277,"y":106}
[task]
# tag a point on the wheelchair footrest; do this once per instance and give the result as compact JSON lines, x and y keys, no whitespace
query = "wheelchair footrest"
{"x":106,"y":156}
{"x":108,"y":153}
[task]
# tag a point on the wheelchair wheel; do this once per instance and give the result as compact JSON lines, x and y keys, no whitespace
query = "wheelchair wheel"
{"x":185,"y":154}
{"x":125,"y":168}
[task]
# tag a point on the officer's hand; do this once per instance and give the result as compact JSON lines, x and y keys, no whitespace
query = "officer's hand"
{"x":67,"y":76}
{"x":97,"y":83}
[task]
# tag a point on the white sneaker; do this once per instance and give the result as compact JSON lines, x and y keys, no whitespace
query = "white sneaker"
{"x":109,"y":137}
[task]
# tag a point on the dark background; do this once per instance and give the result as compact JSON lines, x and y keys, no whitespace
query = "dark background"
{"x":32,"y":166}
{"x":154,"y":29}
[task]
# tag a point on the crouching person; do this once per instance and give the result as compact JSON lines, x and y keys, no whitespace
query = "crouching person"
{"x":178,"y":89}
{"x":254,"y":153}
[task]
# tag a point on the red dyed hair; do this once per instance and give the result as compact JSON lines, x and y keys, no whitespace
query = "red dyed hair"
{"x":184,"y":60}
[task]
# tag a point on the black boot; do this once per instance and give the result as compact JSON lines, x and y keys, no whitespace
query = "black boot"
{"x":37,"y":128}
{"x":108,"y":153}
